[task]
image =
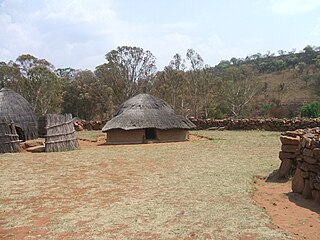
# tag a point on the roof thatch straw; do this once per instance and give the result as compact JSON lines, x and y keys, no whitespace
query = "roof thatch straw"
{"x":13,"y":106}
{"x":60,"y":132}
{"x":146,"y":111}
{"x":9,"y":139}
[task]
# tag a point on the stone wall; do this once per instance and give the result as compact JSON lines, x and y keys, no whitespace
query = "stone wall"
{"x":268,"y":124}
{"x":300,"y":157}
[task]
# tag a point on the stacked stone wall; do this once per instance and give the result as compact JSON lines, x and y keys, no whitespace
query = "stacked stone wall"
{"x":268,"y":124}
{"x":300,"y":157}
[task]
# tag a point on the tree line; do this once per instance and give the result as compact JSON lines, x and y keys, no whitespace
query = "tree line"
{"x":190,"y":86}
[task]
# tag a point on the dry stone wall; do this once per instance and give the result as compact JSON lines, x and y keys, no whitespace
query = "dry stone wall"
{"x":300,"y":157}
{"x":268,"y":124}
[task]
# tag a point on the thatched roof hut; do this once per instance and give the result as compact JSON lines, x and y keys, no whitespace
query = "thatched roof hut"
{"x":146,"y":118}
{"x":13,"y":106}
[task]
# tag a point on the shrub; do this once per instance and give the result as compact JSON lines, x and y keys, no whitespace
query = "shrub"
{"x":311,"y":110}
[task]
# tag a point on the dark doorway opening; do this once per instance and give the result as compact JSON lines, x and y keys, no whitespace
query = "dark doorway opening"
{"x":21,"y":134}
{"x":151,"y":134}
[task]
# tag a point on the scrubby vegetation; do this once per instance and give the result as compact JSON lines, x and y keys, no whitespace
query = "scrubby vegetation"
{"x":270,"y":85}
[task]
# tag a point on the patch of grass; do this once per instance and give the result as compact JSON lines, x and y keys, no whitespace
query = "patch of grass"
{"x":197,"y":189}
{"x":89,"y":135}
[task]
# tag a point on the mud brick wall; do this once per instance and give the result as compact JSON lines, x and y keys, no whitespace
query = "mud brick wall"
{"x":300,"y":156}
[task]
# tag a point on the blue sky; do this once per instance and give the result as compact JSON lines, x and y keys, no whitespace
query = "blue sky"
{"x":78,"y":33}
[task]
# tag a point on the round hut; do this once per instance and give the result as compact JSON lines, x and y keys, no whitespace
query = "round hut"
{"x":16,"y":108}
{"x":145,"y":118}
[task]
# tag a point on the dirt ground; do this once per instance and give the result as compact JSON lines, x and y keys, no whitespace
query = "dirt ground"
{"x":154,"y":191}
{"x":289,"y":211}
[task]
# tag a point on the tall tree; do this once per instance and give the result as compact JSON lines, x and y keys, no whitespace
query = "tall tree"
{"x":196,"y":63}
{"x":127,"y":71}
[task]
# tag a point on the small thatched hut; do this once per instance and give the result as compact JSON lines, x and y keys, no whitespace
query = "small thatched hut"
{"x":145,"y":118}
{"x":16,"y":108}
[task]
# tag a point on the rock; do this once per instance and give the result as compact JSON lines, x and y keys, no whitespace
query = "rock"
{"x":297,"y":182}
{"x":285,"y":168}
{"x":287,"y":140}
{"x":284,"y":155}
{"x":310,"y":160}
{"x":290,"y":148}
{"x":32,"y":143}
{"x":316,"y":153}
{"x":36,"y":149}
{"x":316,"y":185}
{"x":305,"y":174}
{"x":307,"y":152}
{"x":307,"y":190}
{"x":315,"y":195}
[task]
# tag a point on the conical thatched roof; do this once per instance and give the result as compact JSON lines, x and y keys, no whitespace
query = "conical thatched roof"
{"x":17,"y":109}
{"x":146,"y":111}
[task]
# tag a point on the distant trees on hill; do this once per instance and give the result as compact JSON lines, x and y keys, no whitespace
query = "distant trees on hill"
{"x":231,"y":88}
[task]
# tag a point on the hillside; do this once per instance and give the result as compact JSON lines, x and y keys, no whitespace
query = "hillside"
{"x":285,"y":93}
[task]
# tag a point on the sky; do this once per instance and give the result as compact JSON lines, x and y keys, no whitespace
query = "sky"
{"x":79,"y":33}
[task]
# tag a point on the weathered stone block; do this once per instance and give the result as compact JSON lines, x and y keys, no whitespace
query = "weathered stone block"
{"x":290,"y":148}
{"x":297,"y":182}
{"x":310,"y":160}
{"x":307,"y":152}
{"x":316,"y":153}
{"x":285,"y":168}
{"x":285,"y":155}
{"x":287,"y":140}
{"x":306,"y":193}
{"x":305,"y":174}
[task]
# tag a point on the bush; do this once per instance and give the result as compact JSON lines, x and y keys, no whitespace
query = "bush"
{"x":311,"y":110}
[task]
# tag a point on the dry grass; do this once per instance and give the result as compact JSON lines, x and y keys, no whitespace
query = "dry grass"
{"x":90,"y":135}
{"x":190,"y":190}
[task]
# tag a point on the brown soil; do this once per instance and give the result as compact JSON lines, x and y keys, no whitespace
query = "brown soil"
{"x":102,"y":140}
{"x":289,"y":211}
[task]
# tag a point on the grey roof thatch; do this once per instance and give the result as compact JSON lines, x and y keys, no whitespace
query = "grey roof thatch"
{"x":146,"y":111}
{"x":16,"y":108}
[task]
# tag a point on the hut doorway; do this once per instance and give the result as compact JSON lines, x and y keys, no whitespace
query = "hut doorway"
{"x":150,"y":134}
{"x":21,"y":134}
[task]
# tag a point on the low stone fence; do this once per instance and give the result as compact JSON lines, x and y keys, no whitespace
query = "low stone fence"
{"x":268,"y":124}
{"x":300,"y":157}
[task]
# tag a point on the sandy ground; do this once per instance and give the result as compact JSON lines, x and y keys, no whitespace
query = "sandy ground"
{"x":289,"y":211}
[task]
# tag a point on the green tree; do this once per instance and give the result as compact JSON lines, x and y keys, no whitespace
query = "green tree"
{"x":311,"y":110}
{"x":127,"y":71}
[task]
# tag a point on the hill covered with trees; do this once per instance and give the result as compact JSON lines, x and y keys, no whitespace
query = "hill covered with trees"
{"x":269,"y":85}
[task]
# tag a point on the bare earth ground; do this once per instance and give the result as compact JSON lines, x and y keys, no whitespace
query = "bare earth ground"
{"x":289,"y":211}
{"x":190,"y":190}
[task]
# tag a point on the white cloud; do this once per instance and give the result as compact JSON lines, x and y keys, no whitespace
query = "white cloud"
{"x":293,"y":7}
